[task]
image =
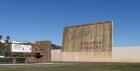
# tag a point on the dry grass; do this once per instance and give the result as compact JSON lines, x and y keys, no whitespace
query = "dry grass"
{"x":78,"y":67}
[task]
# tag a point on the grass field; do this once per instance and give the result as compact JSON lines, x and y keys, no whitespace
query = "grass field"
{"x":76,"y":67}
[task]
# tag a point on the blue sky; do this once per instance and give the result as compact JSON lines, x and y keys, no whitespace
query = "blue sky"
{"x":32,"y":20}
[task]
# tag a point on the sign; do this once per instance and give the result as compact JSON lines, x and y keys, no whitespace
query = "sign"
{"x":21,"y":48}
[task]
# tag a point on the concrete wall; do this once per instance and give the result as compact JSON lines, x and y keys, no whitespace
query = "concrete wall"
{"x":56,"y":55}
{"x":119,"y":54}
{"x":87,"y":42}
{"x":127,"y":53}
{"x":86,"y":56}
{"x":88,"y":38}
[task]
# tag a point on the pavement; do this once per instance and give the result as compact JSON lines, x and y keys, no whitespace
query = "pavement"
{"x":37,"y":65}
{"x":59,"y":64}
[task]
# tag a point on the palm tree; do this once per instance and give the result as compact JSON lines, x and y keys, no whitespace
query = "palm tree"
{"x":1,"y":45}
{"x":5,"y":46}
{"x":0,"y":37}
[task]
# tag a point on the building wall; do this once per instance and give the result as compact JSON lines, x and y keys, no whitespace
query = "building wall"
{"x":127,"y":53}
{"x":119,"y":54}
{"x":86,"y":56}
{"x":84,"y":41}
{"x":56,"y":55}
{"x":43,"y":48}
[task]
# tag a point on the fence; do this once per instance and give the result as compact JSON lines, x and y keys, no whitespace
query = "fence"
{"x":10,"y":60}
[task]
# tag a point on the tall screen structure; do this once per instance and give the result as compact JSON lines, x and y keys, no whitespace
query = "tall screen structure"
{"x":94,"y":37}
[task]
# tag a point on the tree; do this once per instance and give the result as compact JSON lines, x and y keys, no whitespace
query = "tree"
{"x":5,"y":46}
{"x":1,"y":45}
{"x":0,"y":37}
{"x":54,"y":46}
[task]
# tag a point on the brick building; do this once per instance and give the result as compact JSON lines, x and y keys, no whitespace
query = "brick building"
{"x":42,"y":51}
{"x":39,"y":52}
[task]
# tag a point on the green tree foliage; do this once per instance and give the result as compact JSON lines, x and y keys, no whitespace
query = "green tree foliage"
{"x":54,"y":46}
{"x":0,"y":37}
{"x":5,"y":46}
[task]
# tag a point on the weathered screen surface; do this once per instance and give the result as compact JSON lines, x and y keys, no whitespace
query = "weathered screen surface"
{"x":88,"y":37}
